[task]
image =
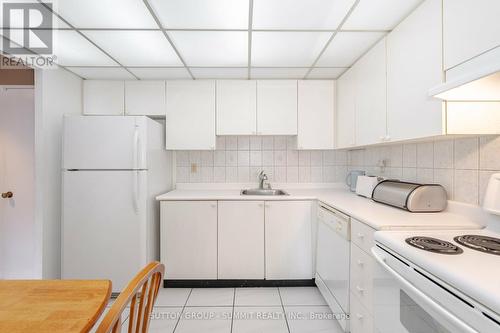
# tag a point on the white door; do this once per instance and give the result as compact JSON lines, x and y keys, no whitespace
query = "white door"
{"x":190,"y":119}
{"x":241,"y":240}
{"x":470,"y":28}
{"x":103,"y":142}
{"x":18,"y":236}
{"x":277,"y":107}
{"x":414,"y":65}
{"x":371,"y":96}
{"x":316,"y":108}
{"x":145,"y":98}
{"x":236,"y":107}
{"x":189,"y":239}
{"x":288,"y":240}
{"x":346,"y":109}
{"x":102,"y":97}
{"x":104,"y":225}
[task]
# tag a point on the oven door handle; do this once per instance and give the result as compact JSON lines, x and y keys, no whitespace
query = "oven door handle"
{"x":435,"y":306}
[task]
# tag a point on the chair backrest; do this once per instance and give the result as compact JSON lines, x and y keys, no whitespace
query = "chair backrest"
{"x":140,"y":293}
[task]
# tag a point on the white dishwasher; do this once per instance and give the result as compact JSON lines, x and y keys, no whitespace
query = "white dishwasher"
{"x":333,"y":258}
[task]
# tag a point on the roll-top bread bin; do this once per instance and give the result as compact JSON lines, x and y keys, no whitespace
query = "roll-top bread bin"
{"x":412,"y":197}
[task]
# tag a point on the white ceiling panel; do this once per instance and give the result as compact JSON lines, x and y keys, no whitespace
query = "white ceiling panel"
{"x":379,"y":14}
{"x":202,"y":14}
{"x":136,"y":48}
{"x":294,"y":49}
{"x":212,"y":48}
{"x":160,"y":73}
{"x":99,"y":73}
{"x":299,"y":14}
{"x":71,"y":49}
{"x":220,"y":73}
{"x":130,"y":14}
{"x":326,"y":73}
{"x":347,"y":47}
{"x":278,"y":73}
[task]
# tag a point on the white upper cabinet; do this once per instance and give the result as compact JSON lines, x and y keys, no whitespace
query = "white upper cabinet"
{"x":236,"y":107}
{"x":371,"y":106}
{"x":101,"y":97}
{"x":145,"y":98}
{"x":190,"y":119}
{"x":414,"y":65}
{"x":470,"y":28}
{"x":346,"y":109}
{"x":316,"y":100}
{"x":277,"y":107}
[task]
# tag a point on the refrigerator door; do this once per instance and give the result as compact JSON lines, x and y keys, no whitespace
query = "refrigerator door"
{"x":104,"y":230}
{"x":104,"y":143}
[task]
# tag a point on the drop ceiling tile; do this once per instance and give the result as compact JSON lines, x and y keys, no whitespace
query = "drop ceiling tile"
{"x":157,"y":73}
{"x":136,"y":48}
{"x":72,"y":49}
{"x":220,"y":73}
{"x":379,"y":14}
{"x":102,"y":73}
{"x":347,"y":47}
{"x":278,"y":73}
{"x":299,"y":14}
{"x":326,"y":73}
{"x":131,"y":14}
{"x":212,"y":48}
{"x":282,"y":49}
{"x":202,"y":14}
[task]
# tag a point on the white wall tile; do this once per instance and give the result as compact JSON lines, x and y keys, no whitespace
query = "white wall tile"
{"x":231,"y":174}
{"x":231,"y":143}
{"x":243,"y":143}
{"x":484,"y":178}
{"x":304,"y":158}
{"x":425,"y":175}
{"x":255,"y":143}
{"x":316,"y":174}
{"x":396,"y":156}
{"x":410,"y":174}
{"x":207,"y":174}
{"x":243,"y":174}
{"x":329,"y":174}
{"x":220,"y":158}
{"x":243,"y":158}
{"x":444,"y":154}
{"x":195,"y":176}
{"x":304,"y":174}
{"x":267,"y":143}
{"x":466,"y":186}
{"x":340,"y":173}
{"x":292,"y":157}
{"x":219,"y":174}
{"x":291,"y":143}
{"x":292,"y":174}
{"x":280,"y":142}
{"x":280,"y":174}
{"x":316,"y":158}
{"x":207,"y":158}
{"x":425,"y":155}
{"x":231,"y":158}
{"x":255,"y":158}
{"x":220,"y":143}
{"x":341,"y":157}
{"x":329,"y":157}
{"x":182,"y":158}
{"x":182,"y":174}
{"x":467,"y":153}
{"x":280,"y":157}
{"x":445,"y":178}
{"x":489,"y":153}
{"x":410,"y":156}
{"x":267,"y":157}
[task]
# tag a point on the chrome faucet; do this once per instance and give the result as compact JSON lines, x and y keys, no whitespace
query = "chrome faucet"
{"x":262,"y":180}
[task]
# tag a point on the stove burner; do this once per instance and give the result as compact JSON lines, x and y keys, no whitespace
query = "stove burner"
{"x":481,"y":243}
{"x":434,"y":245}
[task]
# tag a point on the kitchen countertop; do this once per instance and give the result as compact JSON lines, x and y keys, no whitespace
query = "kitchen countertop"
{"x":376,"y":215}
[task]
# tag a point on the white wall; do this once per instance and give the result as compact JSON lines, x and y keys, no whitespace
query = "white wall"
{"x":57,"y":92}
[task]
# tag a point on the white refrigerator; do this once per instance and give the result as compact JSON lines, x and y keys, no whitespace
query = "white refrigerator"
{"x":113,"y":167}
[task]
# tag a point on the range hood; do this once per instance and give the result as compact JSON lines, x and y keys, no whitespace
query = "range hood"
{"x":480,"y":85}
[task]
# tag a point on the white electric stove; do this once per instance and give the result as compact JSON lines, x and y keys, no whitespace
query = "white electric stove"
{"x":439,"y":281}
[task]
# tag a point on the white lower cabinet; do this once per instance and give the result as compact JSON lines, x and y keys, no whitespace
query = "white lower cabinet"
{"x":241,"y":240}
{"x":189,"y":239}
{"x":361,"y":320}
{"x":288,"y":240}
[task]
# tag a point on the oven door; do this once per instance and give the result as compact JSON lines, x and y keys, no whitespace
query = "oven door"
{"x":401,"y":306}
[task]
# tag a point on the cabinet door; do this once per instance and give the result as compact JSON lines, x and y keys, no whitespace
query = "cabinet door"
{"x":414,"y":65}
{"x":316,"y":100}
{"x":101,"y":97}
{"x":145,"y":98}
{"x":288,"y":240}
{"x":236,"y":107}
{"x":189,"y":239}
{"x":371,"y":106}
{"x":277,"y":107}
{"x":190,"y":119}
{"x":470,"y":28}
{"x":346,"y":109}
{"x":241,"y":240}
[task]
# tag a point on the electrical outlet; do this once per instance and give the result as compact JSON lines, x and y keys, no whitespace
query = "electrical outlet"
{"x":194,"y":168}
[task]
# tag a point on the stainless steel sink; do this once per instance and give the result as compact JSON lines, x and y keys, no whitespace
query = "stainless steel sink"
{"x":257,"y":191}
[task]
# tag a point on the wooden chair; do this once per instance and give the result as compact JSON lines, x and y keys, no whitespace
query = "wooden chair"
{"x":140,"y":293}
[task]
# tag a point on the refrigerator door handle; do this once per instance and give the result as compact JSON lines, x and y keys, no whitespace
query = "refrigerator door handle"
{"x":135,"y":154}
{"x":135,"y":190}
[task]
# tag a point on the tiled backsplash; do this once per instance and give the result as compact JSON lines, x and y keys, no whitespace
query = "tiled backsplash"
{"x":239,"y":159}
{"x":463,"y":166}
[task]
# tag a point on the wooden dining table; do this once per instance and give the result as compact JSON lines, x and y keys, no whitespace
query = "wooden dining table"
{"x":54,"y":306}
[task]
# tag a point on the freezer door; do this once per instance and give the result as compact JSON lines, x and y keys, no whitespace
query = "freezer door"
{"x":104,"y":233}
{"x":104,"y":143}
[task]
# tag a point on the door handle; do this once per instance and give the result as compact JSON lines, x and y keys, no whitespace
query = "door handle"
{"x":7,"y":195}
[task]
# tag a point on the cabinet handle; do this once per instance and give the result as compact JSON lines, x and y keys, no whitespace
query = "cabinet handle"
{"x":360,"y":290}
{"x":261,"y":205}
{"x":359,"y":316}
{"x":213,"y":205}
{"x":360,"y":263}
{"x":360,"y":235}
